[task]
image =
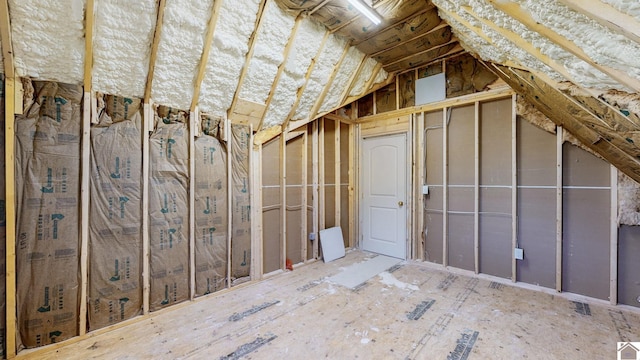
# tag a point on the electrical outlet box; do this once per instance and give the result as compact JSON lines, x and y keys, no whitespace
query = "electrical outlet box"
{"x":312,"y":236}
{"x":425,"y":189}
{"x":518,"y":254}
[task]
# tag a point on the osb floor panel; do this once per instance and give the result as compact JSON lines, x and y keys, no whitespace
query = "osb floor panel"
{"x":410,"y":311}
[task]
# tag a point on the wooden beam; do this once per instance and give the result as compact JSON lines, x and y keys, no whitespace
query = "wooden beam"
{"x":281,"y":67}
{"x":204,"y":59}
{"x":422,"y":53}
{"x":515,"y":11}
{"x":257,"y":266}
{"x":301,"y":89}
{"x":10,"y":217}
{"x":228,"y":138}
{"x":327,"y":86}
{"x":154,"y":51}
{"x":249,"y":56}
{"x":352,"y":186}
{"x":283,"y":201}
{"x":321,"y":173}
{"x":318,"y":7}
{"x":337,"y":209}
{"x":608,"y":16}
{"x":5,"y":38}
{"x":559,"y":171}
{"x":303,"y":219}
{"x":193,"y":122}
{"x":441,"y":52}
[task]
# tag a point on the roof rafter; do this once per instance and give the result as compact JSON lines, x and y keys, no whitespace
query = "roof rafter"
{"x":204,"y":59}
{"x":608,"y":16}
{"x":5,"y":37}
{"x":281,"y":67}
{"x":515,"y":11}
{"x":154,"y":50}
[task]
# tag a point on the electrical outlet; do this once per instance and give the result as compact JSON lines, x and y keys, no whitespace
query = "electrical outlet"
{"x":425,"y":189}
{"x":518,"y":254}
{"x":312,"y":236}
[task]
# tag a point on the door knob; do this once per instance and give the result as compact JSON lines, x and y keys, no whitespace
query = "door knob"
{"x":400,"y":203}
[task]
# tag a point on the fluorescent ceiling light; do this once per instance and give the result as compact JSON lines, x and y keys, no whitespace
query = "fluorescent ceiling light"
{"x":366,"y":11}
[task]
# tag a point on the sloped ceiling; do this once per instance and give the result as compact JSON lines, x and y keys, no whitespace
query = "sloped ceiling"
{"x":279,"y":63}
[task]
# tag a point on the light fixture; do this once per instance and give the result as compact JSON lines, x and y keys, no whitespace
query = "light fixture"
{"x":366,"y":11}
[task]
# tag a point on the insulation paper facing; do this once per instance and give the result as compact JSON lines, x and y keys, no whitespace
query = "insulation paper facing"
{"x":122,"y":39}
{"x":363,"y":77}
{"x":268,"y":53}
{"x":184,"y":28}
{"x":305,"y":46}
{"x":52,"y":47}
{"x":320,"y":75}
{"x":342,"y":80}
{"x":230,"y":45}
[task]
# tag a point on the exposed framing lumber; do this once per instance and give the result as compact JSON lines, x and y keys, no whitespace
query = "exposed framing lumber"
{"x":442,"y":25}
{"x":283,"y":200}
{"x":204,"y":59}
{"x":249,"y":55}
{"x":5,"y":38}
{"x":315,"y":184}
{"x":283,"y":64}
{"x":193,"y":122}
{"x":227,"y":137}
{"x":154,"y":50}
{"x":10,"y":216}
{"x":559,"y":142}
{"x":148,"y":120}
{"x":514,"y":190}
{"x":393,"y":25}
{"x":88,"y":44}
{"x":422,"y":53}
{"x":445,"y":190}
{"x":334,"y":72}
{"x":476,"y":187}
{"x":303,"y":223}
{"x":613,"y":238}
{"x":608,"y":16}
{"x":255,"y":199}
{"x":321,"y":179}
{"x":374,"y":73}
{"x":318,"y":7}
{"x":307,"y":76}
{"x":337,"y":178}
{"x":351,"y":188}
{"x":515,"y":11}
{"x":352,"y":80}
{"x":421,"y":180}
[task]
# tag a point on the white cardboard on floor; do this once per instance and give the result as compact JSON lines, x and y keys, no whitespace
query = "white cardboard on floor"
{"x":332,"y":243}
{"x":356,"y":274}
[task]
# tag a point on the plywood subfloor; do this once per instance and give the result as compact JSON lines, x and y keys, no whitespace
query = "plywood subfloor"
{"x":409,"y":311}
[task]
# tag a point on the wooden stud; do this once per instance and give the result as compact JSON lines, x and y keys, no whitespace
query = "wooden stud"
{"x":5,"y":38}
{"x":301,"y":89}
{"x":229,"y":140}
{"x":321,"y":195}
{"x":314,"y":111}
{"x":88,"y":44}
{"x":84,"y":206}
{"x":613,"y":238}
{"x":351,"y":188}
{"x":10,"y":218}
{"x":204,"y":59}
{"x":315,"y":184}
{"x":193,"y":123}
{"x":283,"y":200}
{"x":421,"y":152}
{"x":249,"y":56}
{"x":559,"y":189}
{"x":476,"y":187}
{"x":281,"y":67}
{"x":375,"y":103}
{"x":397,"y":92}
{"x":514,"y":189}
{"x":357,"y":182}
{"x":257,"y":265}
{"x":337,"y":209}
{"x":515,"y":11}
{"x":445,"y":190}
{"x":154,"y":51}
{"x":303,"y":222}
{"x":148,"y":120}
{"x":608,"y":16}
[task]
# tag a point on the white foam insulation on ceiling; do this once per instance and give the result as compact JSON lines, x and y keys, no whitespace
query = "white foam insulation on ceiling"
{"x":121,"y":45}
{"x":629,"y":7}
{"x":305,"y":46}
{"x":268,"y":53}
{"x":235,"y":25}
{"x":363,"y":77}
{"x":48,"y":39}
{"x":382,"y":76}
{"x":184,"y":28}
{"x":341,"y":82}
{"x":330,"y":56}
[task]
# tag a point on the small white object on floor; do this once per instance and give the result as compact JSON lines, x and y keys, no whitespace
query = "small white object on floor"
{"x":332,"y":243}
{"x":356,"y":274}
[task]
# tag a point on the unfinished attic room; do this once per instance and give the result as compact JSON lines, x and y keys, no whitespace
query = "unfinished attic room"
{"x":320,"y":179}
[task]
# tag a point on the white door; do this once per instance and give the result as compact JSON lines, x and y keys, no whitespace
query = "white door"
{"x":383,"y":184}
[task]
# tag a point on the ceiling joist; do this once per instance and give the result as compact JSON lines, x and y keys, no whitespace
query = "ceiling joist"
{"x":204,"y":59}
{"x":154,"y":51}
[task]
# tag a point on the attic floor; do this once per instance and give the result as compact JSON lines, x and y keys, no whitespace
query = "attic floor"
{"x":412,"y":311}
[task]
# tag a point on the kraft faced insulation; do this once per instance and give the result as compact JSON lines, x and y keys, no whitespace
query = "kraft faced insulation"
{"x":240,"y":204}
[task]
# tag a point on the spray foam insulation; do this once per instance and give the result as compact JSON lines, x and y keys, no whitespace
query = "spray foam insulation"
{"x":48,"y":39}
{"x":305,"y":46}
{"x":184,"y":28}
{"x":320,"y":75}
{"x":123,"y":33}
{"x":3,"y":223}
{"x":629,"y":7}
{"x":241,"y":204}
{"x":363,"y":77}
{"x":628,"y":200}
{"x":210,"y":206}
{"x":115,"y":239}
{"x":342,"y":80}
{"x":169,"y":209}
{"x":268,"y":53}
{"x":230,"y":45}
{"x":48,"y":214}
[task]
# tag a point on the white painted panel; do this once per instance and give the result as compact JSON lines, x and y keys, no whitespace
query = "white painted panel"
{"x":430,"y":89}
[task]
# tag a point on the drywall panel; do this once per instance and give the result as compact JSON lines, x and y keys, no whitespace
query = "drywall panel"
{"x":430,"y":89}
{"x":586,"y":217}
{"x":461,"y":146}
{"x":628,"y":265}
{"x":211,"y":208}
{"x":294,"y":199}
{"x":537,"y":236}
{"x":460,"y":241}
{"x":433,"y":231}
{"x":460,"y":198}
{"x":47,"y":217}
{"x":433,"y":146}
{"x":115,"y":241}
{"x":495,"y":142}
{"x":240,"y":202}
{"x":271,"y":254}
{"x":169,"y":209}
{"x":536,"y":155}
{"x":433,"y":235}
{"x":495,"y":245}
